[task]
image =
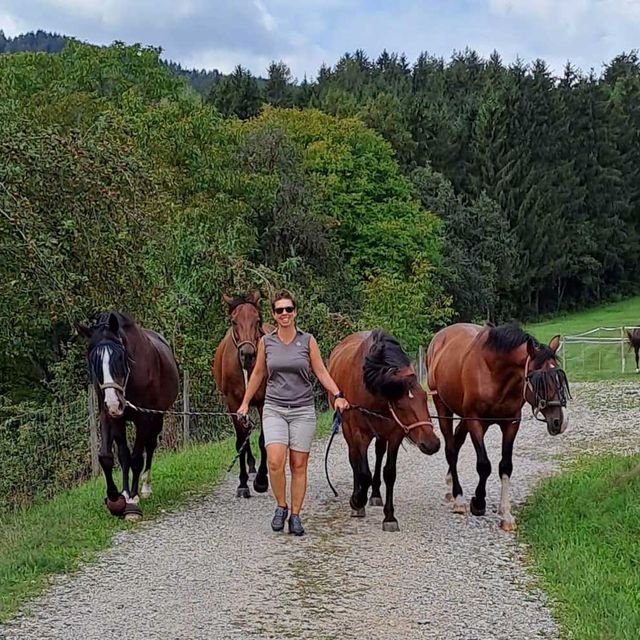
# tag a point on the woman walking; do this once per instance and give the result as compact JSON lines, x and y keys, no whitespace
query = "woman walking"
{"x":286,"y":358}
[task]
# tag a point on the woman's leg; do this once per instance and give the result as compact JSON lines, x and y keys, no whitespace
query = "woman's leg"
{"x":276,"y":460}
{"x":298,"y":462}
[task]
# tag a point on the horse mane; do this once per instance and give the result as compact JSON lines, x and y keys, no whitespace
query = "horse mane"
{"x":507,"y":337}
{"x":101,"y":319}
{"x":380,"y":367}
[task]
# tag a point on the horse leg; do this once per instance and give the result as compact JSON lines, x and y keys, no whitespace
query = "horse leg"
{"x":509,"y":432}
{"x":361,"y":474}
{"x":124,"y":457}
{"x":150,"y":447}
{"x":390,"y":523}
{"x":445,"y":418}
{"x":251,"y":460}
{"x":261,"y":481}
{"x":483,"y":466}
{"x":241,"y":436}
{"x":376,"y":499}
{"x":636,"y":348}
{"x":114,"y":501}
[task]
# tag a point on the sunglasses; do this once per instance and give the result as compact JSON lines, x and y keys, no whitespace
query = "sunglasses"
{"x":281,"y":310}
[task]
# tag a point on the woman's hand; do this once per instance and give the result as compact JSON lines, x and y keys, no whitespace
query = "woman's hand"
{"x":243,"y":410}
{"x":341,"y":404}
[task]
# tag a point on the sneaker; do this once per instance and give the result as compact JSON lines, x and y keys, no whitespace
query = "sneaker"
{"x":277,"y":524}
{"x":295,"y":525}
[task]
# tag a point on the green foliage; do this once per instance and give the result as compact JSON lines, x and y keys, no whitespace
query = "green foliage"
{"x":237,"y":94}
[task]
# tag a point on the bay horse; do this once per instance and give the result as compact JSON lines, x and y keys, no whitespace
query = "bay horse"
{"x":232,"y":365}
{"x":485,"y":375}
{"x":129,"y":364}
{"x":387,"y":403}
{"x":633,"y":335}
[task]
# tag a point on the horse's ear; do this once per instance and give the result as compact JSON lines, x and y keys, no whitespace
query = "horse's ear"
{"x":554,"y":343}
{"x":82,"y":330}
{"x":254,"y":297}
{"x":227,"y":299}
{"x":114,"y":324}
{"x":531,"y":348}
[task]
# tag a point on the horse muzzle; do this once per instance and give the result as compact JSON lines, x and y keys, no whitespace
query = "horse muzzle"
{"x":431,"y":447}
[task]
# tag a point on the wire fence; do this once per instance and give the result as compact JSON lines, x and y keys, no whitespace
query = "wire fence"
{"x":603,"y":351}
{"x":48,"y":448}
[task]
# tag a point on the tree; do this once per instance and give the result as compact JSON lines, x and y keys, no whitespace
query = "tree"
{"x":237,"y":95}
{"x":278,"y":88}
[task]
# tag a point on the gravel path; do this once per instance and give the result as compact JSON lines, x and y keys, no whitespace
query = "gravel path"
{"x":217,"y":570}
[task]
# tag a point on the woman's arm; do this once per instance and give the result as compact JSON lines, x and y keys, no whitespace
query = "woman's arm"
{"x":257,"y":376}
{"x":317,"y":366}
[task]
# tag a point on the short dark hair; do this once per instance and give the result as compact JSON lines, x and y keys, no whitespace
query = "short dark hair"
{"x":282,"y":294}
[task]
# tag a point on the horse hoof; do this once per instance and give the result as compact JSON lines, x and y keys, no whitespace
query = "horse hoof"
{"x":391,"y":526}
{"x":145,"y":492}
{"x":260,"y":486}
{"x":508,"y":525}
{"x":358,"y":513}
{"x":116,"y":507}
{"x":252,"y":471}
{"x":132,"y":512}
{"x":375,"y":501}
{"x":459,"y":508}
{"x":476,"y":510}
{"x":243,"y":492}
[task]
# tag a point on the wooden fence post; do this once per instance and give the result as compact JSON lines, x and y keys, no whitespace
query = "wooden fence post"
{"x":185,"y":408}
{"x":93,"y":430}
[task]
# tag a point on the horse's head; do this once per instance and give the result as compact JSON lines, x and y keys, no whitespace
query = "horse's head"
{"x":246,"y":327}
{"x":546,"y":387}
{"x":388,"y":374}
{"x":108,"y":360}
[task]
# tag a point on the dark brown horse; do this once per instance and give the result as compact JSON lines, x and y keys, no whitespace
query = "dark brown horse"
{"x":376,"y":376}
{"x":129,"y":364}
{"x":485,"y":375}
{"x":232,"y":365}
{"x":633,"y":335}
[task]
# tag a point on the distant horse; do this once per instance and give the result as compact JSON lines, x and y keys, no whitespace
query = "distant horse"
{"x":129,"y":364}
{"x":376,"y":376}
{"x":232,"y":365}
{"x":633,"y":335}
{"x":485,"y":375}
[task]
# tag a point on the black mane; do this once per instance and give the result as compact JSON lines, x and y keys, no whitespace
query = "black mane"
{"x":508,"y":337}
{"x":385,"y":357}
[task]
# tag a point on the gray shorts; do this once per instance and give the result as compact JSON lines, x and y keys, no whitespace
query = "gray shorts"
{"x":294,"y":427}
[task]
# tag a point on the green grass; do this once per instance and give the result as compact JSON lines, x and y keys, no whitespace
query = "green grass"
{"x":616,"y":314}
{"x":592,"y":362}
{"x":56,"y":536}
{"x":583,"y":531}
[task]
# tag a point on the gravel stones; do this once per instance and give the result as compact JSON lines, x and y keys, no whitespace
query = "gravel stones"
{"x":217,"y":570}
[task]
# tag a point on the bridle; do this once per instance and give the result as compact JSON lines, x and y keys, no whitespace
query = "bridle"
{"x":536,"y":382}
{"x":407,"y":427}
{"x":114,"y":385}
{"x":238,"y":345}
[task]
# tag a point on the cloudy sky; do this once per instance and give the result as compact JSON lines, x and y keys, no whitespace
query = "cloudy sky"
{"x":304,"y":33}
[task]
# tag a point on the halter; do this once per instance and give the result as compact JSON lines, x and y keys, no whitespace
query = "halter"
{"x":540,"y":401}
{"x":407,"y":427}
{"x":238,"y":345}
{"x":114,"y":385}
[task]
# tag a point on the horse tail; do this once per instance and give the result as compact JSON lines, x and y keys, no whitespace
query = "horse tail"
{"x":335,"y":428}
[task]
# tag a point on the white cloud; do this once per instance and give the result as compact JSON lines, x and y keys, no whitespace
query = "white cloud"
{"x":10,"y":25}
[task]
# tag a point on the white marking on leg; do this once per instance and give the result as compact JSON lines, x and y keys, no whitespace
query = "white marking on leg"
{"x":110,"y":395}
{"x":146,"y":490}
{"x":459,"y":505}
{"x":505,"y":505}
{"x":245,"y":375}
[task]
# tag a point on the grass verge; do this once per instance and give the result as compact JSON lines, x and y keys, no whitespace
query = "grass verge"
{"x":58,"y":535}
{"x":583,"y":531}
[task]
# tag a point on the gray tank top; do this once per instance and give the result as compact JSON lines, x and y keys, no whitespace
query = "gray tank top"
{"x":288,"y":367}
